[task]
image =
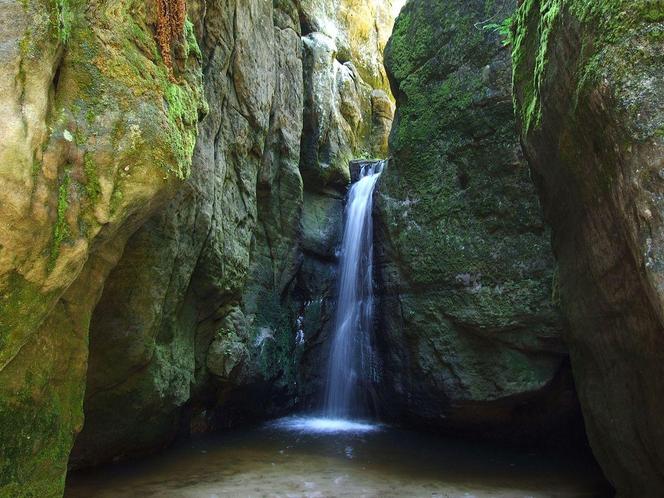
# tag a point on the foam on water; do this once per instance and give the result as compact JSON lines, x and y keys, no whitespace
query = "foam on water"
{"x":320,"y":425}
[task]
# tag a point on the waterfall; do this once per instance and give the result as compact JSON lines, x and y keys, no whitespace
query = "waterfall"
{"x":351,"y":363}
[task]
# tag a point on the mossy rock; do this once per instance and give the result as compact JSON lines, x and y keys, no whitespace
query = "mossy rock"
{"x":589,"y":87}
{"x":106,"y":138}
{"x":465,"y":265}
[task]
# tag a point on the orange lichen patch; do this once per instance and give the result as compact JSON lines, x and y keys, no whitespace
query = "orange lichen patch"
{"x":171,"y":15}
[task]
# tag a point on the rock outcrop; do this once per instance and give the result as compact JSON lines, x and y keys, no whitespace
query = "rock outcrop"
{"x":97,"y":133}
{"x":589,"y":86}
{"x":170,"y":327}
{"x":469,"y":332}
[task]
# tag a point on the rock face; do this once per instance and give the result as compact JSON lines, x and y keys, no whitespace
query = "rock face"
{"x":348,"y":113}
{"x":202,"y":322}
{"x":171,"y":325}
{"x":589,"y":85}
{"x":470,"y":336}
{"x":191,"y":281}
{"x":96,"y":134}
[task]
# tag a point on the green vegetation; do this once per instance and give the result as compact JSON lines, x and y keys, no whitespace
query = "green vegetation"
{"x":462,"y":213}
{"x":62,"y":19}
{"x":192,"y":43}
{"x":92,"y":186}
{"x":277,"y":359}
{"x":39,"y":416}
{"x":504,"y":29}
{"x":610,"y":22}
{"x":61,"y":228}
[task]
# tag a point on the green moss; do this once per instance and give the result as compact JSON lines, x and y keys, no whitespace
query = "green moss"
{"x":21,"y":310}
{"x":653,"y":11}
{"x":608,"y":22}
{"x":62,"y":19}
{"x":61,"y":228}
{"x":116,"y":200}
{"x":192,"y":47}
{"x":504,"y":29}
{"x":277,"y":360}
{"x":92,"y":186}
{"x":79,"y":135}
{"x":457,"y":203}
{"x":182,"y":108}
{"x":546,"y":11}
{"x":102,"y":78}
{"x":27,"y":424}
{"x":36,"y":167}
{"x":41,"y":406}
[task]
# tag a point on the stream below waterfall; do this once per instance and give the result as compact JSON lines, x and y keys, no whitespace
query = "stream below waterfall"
{"x":298,"y":457}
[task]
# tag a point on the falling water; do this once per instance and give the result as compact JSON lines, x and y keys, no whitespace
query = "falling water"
{"x":352,"y":365}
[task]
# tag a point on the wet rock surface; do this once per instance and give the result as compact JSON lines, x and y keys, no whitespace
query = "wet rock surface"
{"x":229,"y":293}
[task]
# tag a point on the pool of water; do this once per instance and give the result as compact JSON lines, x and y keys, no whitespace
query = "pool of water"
{"x":316,"y":457}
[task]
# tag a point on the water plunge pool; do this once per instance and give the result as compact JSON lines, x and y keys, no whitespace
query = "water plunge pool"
{"x":314,"y":457}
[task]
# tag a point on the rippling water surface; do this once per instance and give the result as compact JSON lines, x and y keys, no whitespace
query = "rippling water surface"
{"x":317,"y":457}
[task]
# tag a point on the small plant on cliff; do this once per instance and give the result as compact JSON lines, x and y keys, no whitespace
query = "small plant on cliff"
{"x":62,"y":19}
{"x":504,"y":29}
{"x":171,"y":15}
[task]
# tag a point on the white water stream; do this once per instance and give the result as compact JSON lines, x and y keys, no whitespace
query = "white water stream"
{"x":351,"y":364}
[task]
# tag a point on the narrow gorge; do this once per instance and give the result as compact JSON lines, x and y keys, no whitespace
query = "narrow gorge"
{"x":331,"y":248}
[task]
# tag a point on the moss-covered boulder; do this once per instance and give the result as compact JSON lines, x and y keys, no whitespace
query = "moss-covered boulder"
{"x":97,"y":133}
{"x":469,"y":332}
{"x":589,"y":86}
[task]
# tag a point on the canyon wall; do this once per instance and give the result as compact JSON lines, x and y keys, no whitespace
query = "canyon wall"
{"x":469,"y":331}
{"x":589,"y":86}
{"x":97,"y":133}
{"x":172,"y":199}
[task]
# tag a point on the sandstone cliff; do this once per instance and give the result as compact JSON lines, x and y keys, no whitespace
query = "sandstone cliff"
{"x":589,"y":84}
{"x":470,"y":334}
{"x":186,"y":236}
{"x":97,"y":132}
